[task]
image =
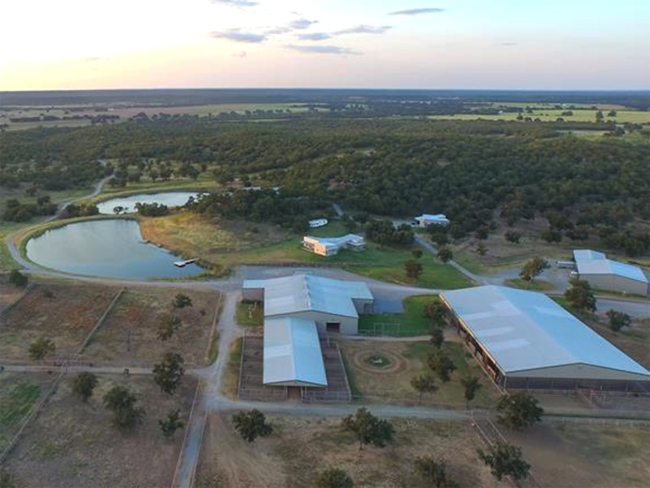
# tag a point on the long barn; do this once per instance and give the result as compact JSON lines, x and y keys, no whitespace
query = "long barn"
{"x":525,"y":340}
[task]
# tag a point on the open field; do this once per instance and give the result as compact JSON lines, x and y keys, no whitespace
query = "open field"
{"x":411,"y":322}
{"x":552,"y":114}
{"x":581,"y":455}
{"x":125,"y":112}
{"x":233,"y":243}
{"x":390,"y":383}
{"x":75,"y":444}
{"x":129,"y":334}
{"x":64,"y":314}
{"x":19,"y":392}
{"x":300,"y":447}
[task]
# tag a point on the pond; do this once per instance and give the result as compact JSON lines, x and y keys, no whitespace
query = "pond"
{"x":171,"y":199}
{"x":111,"y":248}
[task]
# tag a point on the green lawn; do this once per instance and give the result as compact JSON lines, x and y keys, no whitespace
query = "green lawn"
{"x":411,"y":322}
{"x":250,"y":314}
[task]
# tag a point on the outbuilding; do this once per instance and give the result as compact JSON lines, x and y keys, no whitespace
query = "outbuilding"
{"x":606,"y":274}
{"x":525,"y":340}
{"x":425,"y":220}
{"x":330,"y":246}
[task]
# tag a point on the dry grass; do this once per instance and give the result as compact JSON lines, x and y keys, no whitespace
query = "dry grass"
{"x":300,"y":447}
{"x":74,"y":444}
{"x":408,"y":359}
{"x":63,"y":313}
{"x":231,"y":378}
{"x":194,"y":234}
{"x":8,"y":294}
{"x":580,"y":455}
{"x":129,"y":335}
{"x":634,"y":341}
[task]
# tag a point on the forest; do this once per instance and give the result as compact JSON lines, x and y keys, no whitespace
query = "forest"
{"x":475,"y":172}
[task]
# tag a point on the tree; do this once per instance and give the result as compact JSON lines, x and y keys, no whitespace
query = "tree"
{"x":471,"y":385}
{"x":333,"y":478}
{"x":436,"y":311}
{"x":169,"y":372}
{"x":437,"y":336}
{"x":84,"y":385}
{"x":445,"y":254}
{"x":413,"y":269}
{"x":368,"y":429}
{"x":519,"y":410}
{"x":505,"y":460}
{"x":40,"y":348}
{"x":122,"y":403}
{"x":481,"y":249}
{"x":580,"y":295}
{"x":251,"y":425}
{"x":441,"y":364}
{"x":618,"y":320}
{"x":433,"y":472}
{"x":551,"y":235}
{"x":171,"y":424}
{"x":168,"y":325}
{"x":17,"y":279}
{"x":182,"y":301}
{"x":513,"y":237}
{"x":424,"y":383}
{"x":416,"y":253}
{"x":533,"y":268}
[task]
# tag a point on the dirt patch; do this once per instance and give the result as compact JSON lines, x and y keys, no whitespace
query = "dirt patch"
{"x":73,"y":444}
{"x":63,"y":313}
{"x":129,"y":335}
{"x":579,"y":455}
{"x":300,"y":447}
{"x":380,"y":362}
{"x":8,"y":295}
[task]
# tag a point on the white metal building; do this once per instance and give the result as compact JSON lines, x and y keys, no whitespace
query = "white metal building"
{"x":524,"y":339}
{"x":329,"y":246}
{"x":334,"y":305}
{"x":425,"y":220}
{"x":607,"y":274}
{"x":292,"y":353}
{"x":296,"y":308}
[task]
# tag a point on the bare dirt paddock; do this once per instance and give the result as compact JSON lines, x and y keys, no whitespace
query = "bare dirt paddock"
{"x":300,"y":447}
{"x":129,"y":334}
{"x":73,"y":444}
{"x":64,"y":314}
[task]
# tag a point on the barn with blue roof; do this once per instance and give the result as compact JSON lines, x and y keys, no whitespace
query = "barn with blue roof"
{"x":526,"y":340}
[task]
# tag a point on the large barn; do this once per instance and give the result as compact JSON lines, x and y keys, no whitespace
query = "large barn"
{"x":524,"y":339}
{"x":296,"y":309}
{"x":606,"y":274}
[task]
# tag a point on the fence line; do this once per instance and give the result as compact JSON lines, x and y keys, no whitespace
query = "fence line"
{"x":9,"y":307}
{"x":100,"y":322}
{"x":197,"y":396}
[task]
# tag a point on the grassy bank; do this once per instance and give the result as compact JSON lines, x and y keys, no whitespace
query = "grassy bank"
{"x":409,"y":323}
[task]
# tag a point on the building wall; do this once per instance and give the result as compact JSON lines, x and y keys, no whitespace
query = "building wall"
{"x":253,"y":294}
{"x":363,"y":306}
{"x":579,"y":372}
{"x":615,"y":283}
{"x":349,"y":325}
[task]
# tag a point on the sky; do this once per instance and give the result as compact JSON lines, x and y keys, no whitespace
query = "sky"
{"x":455,"y":44}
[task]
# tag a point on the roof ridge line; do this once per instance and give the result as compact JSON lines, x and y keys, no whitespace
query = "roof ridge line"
{"x":309,"y":305}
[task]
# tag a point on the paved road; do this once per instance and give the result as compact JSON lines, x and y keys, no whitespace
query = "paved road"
{"x":633,"y":308}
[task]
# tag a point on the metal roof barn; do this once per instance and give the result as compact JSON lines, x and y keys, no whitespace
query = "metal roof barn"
{"x":529,"y":335}
{"x":303,"y":293}
{"x":292,"y":353}
{"x":596,"y":263}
